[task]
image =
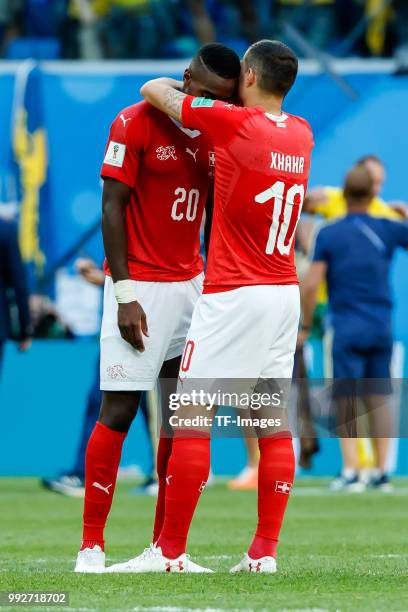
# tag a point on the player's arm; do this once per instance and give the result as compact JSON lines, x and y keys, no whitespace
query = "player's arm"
{"x":315,"y":201}
{"x":399,"y":208}
{"x":309,"y":292}
{"x":311,"y":283}
{"x":131,"y":316}
{"x":219,"y":120}
{"x":165,"y":94}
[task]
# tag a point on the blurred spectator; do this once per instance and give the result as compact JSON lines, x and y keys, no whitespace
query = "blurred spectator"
{"x":315,"y":19}
{"x":137,"y":28}
{"x":47,"y":324}
{"x":329,"y":202}
{"x":204,"y":28}
{"x":13,"y":291}
{"x":122,"y":29}
{"x":10,"y":21}
{"x":42,"y":17}
{"x":371,"y":25}
{"x":354,"y":254}
{"x":81,"y":29}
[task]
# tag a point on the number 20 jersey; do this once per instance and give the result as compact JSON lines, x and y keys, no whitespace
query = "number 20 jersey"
{"x":169,"y":170}
{"x":263,"y":165}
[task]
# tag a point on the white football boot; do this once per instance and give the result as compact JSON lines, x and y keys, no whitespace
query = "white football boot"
{"x":153,"y":560}
{"x":90,"y":561}
{"x":265,"y":565}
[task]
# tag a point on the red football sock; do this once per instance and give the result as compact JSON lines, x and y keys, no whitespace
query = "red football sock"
{"x":187,"y":474}
{"x":275,"y":479}
{"x":163,"y":456}
{"x":101,"y":467}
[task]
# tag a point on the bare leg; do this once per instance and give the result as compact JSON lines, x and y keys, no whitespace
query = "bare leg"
{"x":349,"y":452}
{"x":381,"y":427}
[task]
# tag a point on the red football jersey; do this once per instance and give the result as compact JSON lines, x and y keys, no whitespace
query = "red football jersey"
{"x":168,"y":168}
{"x":263,"y":164}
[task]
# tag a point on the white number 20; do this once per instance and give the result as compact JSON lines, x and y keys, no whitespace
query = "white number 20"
{"x":278,"y":236}
{"x":192,"y":204}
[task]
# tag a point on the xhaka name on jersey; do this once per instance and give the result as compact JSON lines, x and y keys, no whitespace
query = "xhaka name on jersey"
{"x":287,"y":163}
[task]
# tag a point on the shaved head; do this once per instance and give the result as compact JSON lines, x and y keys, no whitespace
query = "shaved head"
{"x":358,"y":187}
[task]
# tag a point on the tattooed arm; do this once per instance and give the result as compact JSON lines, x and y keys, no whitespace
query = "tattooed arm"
{"x":165,"y":95}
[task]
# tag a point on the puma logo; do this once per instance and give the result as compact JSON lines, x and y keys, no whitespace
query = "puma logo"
{"x":125,"y":120}
{"x":99,"y":486}
{"x":192,"y":153}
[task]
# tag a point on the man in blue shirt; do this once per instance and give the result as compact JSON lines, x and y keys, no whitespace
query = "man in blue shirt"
{"x":354,"y":255}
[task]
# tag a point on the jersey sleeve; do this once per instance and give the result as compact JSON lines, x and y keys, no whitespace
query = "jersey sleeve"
{"x":321,"y":247}
{"x":218,"y":120}
{"x":123,"y":149}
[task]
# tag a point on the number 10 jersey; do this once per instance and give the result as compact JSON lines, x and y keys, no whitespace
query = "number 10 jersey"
{"x":263,"y":164}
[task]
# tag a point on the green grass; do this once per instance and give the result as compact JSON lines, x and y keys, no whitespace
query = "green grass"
{"x":337,"y":552}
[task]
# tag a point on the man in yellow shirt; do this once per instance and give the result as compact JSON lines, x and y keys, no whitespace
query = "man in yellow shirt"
{"x":329,"y":202}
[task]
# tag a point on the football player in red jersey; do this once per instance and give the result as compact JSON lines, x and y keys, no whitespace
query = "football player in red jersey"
{"x":157,"y":175}
{"x":245,"y":324}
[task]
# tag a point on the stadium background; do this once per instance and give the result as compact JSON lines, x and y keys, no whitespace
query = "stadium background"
{"x":54,"y":122}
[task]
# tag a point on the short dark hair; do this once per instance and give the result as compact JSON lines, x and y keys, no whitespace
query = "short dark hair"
{"x":220,"y":59}
{"x":367,"y":158}
{"x":274,"y":64}
{"x":358,"y":185}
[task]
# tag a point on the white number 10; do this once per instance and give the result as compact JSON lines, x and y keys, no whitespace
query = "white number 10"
{"x":278,"y":235}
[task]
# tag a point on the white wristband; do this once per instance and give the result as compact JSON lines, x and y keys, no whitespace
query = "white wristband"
{"x":125,"y":291}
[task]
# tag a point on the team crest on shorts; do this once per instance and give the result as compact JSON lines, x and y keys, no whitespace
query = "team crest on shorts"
{"x":116,"y":372}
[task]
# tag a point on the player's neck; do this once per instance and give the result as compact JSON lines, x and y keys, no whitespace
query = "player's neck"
{"x":269,"y":103}
{"x":357,"y":210}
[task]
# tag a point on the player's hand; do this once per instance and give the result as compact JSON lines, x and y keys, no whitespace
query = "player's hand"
{"x":88,"y":269}
{"x":132,"y":323}
{"x":24,"y":345}
{"x":401,"y":208}
{"x":303,"y":335}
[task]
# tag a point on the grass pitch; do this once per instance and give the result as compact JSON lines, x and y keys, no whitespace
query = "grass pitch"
{"x":337,"y":553}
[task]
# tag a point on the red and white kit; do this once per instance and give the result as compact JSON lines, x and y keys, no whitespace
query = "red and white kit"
{"x":168,"y":168}
{"x":245,"y":323}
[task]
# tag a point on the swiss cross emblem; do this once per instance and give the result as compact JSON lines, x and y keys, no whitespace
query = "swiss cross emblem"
{"x":255,"y":567}
{"x":211,"y":158}
{"x":164,"y":153}
{"x":283,"y":487}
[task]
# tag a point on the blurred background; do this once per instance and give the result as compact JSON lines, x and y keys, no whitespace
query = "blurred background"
{"x":67,"y":68}
{"x":124,"y":29}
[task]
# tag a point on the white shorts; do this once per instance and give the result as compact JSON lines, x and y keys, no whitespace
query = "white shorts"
{"x":248,"y":333}
{"x":168,"y":308}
